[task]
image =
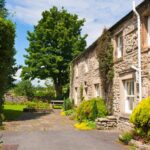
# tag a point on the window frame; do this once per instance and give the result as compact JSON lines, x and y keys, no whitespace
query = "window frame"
{"x":76,"y":71}
{"x":119,"y":46}
{"x":86,"y":65}
{"x":148,"y":31}
{"x":76,"y":95}
{"x":97,"y":90}
{"x":129,"y":95}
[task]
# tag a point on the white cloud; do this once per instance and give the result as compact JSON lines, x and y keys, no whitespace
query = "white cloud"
{"x":98,"y":13}
{"x":17,"y":76}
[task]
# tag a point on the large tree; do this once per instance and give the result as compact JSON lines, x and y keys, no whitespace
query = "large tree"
{"x":7,"y":38}
{"x":7,"y":52}
{"x":55,"y":41}
{"x":3,"y":10}
{"x":13,"y":68}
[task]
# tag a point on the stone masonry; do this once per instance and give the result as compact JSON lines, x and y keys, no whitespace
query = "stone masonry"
{"x":123,"y":66}
{"x":109,"y":122}
{"x":85,"y":78}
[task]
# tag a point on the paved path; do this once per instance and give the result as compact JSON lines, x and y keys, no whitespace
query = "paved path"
{"x":54,"y":132}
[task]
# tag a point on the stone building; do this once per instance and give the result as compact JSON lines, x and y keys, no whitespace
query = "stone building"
{"x":85,"y":78}
{"x":124,"y":35}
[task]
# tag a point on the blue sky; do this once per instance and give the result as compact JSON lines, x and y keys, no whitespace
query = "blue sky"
{"x":98,"y":14}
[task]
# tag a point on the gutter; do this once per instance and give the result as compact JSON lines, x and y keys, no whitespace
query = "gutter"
{"x":139,"y":51}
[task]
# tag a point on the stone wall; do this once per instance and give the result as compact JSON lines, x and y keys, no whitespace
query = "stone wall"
{"x":124,"y":125}
{"x":122,"y":66}
{"x":109,"y":122}
{"x":86,"y":78}
{"x":9,"y":97}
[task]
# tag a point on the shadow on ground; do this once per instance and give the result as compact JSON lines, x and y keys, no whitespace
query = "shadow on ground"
{"x":16,"y":115}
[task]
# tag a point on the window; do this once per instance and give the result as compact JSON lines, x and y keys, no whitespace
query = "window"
{"x":149,"y":31}
{"x":76,"y":70}
{"x":86,"y":92}
{"x":129,"y":95}
{"x":119,"y":45}
{"x":76,"y":96}
{"x":97,"y":90}
{"x":86,"y":66}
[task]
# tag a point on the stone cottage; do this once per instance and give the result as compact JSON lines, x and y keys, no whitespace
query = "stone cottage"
{"x":85,"y":78}
{"x":85,"y":68}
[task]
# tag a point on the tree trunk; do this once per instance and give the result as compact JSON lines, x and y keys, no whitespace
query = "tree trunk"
{"x":1,"y":111}
{"x":109,"y":98}
{"x":58,"y":89}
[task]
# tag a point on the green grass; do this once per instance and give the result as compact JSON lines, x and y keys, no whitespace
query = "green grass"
{"x":57,"y":107}
{"x":12,"y":112}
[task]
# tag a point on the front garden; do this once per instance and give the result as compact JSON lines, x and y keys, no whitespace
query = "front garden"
{"x":140,"y":136}
{"x":86,"y":113}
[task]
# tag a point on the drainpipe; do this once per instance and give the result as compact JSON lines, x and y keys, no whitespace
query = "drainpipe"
{"x":139,"y":51}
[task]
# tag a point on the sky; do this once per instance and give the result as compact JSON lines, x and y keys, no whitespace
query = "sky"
{"x":97,"y":13}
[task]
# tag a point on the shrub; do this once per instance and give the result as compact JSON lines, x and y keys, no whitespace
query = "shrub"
{"x":90,"y":110}
{"x":24,"y":88}
{"x":126,"y":137}
{"x":68,"y":104}
{"x":141,"y":117}
{"x":7,"y":61}
{"x":38,"y":105}
{"x":43,"y":92}
{"x":69,"y":112}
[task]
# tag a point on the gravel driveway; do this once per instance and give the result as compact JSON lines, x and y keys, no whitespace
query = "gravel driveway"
{"x":54,"y":132}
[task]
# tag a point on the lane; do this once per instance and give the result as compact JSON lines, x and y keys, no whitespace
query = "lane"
{"x":64,"y":140}
{"x":55,"y":132}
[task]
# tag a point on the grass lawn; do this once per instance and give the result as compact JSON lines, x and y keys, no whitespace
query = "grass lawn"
{"x":12,"y":112}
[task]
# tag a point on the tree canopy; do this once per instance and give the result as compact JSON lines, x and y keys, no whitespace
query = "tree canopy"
{"x":3,"y":10}
{"x":7,"y":52}
{"x":7,"y":39}
{"x":55,"y":41}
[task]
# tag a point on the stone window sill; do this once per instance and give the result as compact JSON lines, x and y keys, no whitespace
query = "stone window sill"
{"x":145,"y":49}
{"x":117,"y":60}
{"x":125,"y":116}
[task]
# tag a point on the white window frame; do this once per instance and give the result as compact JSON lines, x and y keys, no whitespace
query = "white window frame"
{"x":148,"y":29}
{"x":120,"y":45}
{"x":97,"y":90}
{"x":129,"y":95}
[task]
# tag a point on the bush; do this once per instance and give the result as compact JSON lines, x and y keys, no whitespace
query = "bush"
{"x":90,"y":110}
{"x":44,"y":92}
{"x":24,"y":88}
{"x":126,"y":137}
{"x":69,"y":112}
{"x":7,"y":53}
{"x":37,"y":105}
{"x":68,"y":104}
{"x":141,"y":117}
